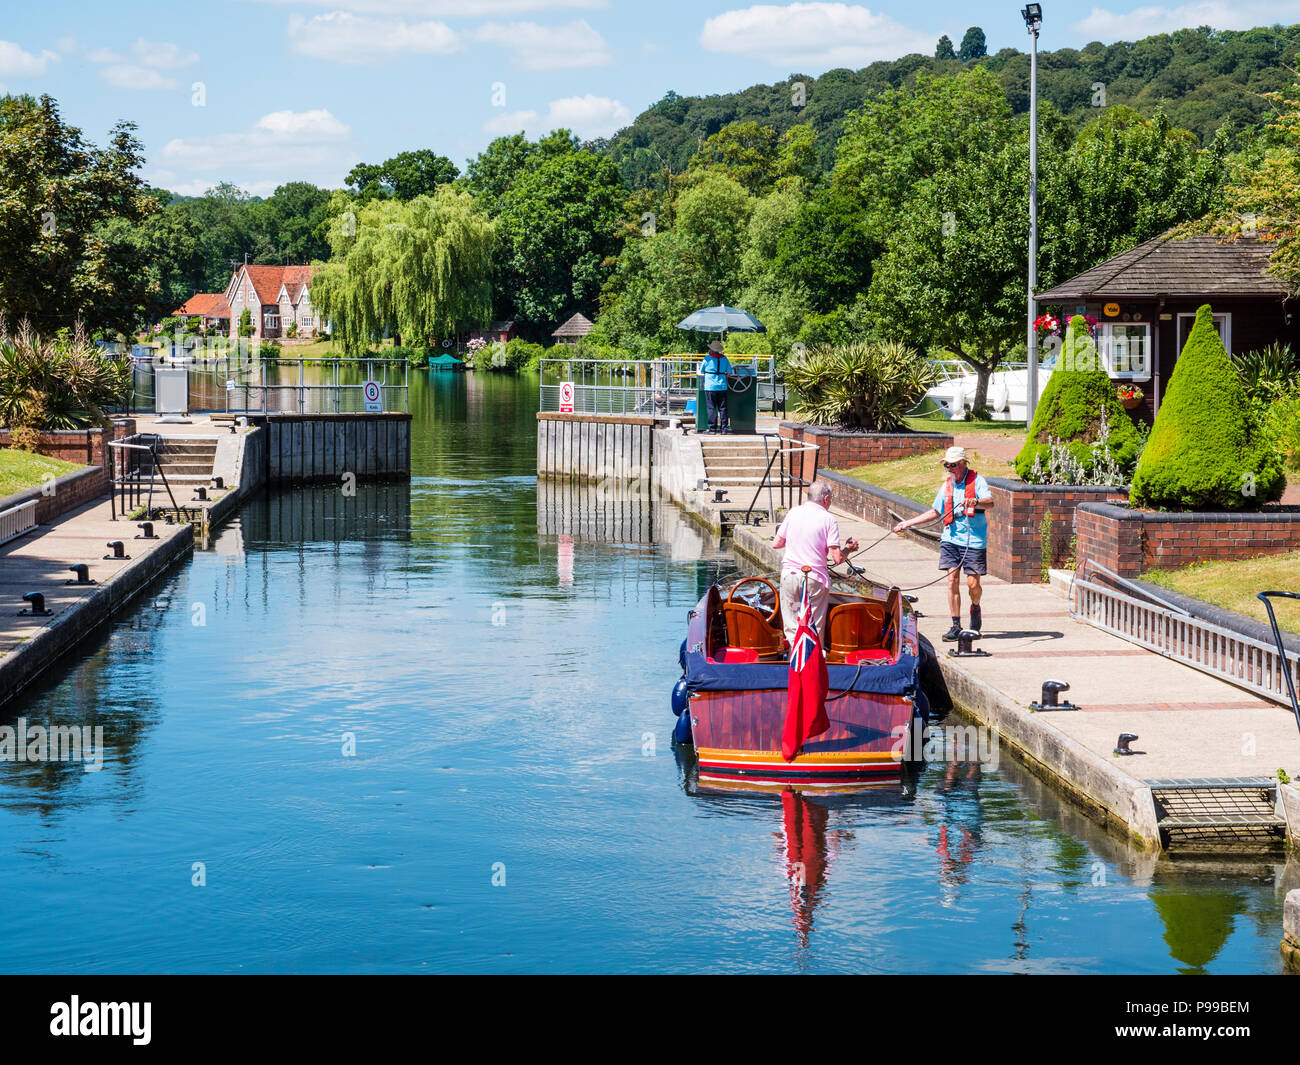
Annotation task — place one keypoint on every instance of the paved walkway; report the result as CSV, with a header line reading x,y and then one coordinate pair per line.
x,y
1189,724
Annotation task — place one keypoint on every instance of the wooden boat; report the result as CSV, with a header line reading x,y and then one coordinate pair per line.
x,y
734,688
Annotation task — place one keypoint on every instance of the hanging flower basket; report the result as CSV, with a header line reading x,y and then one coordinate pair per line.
x,y
1130,395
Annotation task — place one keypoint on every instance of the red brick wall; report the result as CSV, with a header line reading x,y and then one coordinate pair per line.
x,y
1133,541
874,504
1015,551
85,446
845,451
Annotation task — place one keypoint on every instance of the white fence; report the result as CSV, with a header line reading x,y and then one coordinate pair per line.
x,y
17,520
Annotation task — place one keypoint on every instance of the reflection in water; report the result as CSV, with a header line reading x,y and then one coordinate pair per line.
x,y
807,858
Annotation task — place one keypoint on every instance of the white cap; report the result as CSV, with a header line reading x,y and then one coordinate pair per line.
x,y
955,454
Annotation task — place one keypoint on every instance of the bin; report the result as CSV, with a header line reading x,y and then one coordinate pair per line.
x,y
742,401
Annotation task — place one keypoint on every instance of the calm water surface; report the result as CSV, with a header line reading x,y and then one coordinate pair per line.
x,y
500,655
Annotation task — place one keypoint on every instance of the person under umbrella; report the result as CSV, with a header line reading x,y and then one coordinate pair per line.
x,y
715,369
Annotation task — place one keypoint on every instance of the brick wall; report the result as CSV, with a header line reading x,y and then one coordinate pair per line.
x,y
876,505
85,446
1130,542
845,451
57,497
1015,551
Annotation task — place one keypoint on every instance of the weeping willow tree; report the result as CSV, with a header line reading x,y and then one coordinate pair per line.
x,y
416,270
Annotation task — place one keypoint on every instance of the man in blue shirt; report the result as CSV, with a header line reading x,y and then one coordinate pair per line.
x,y
961,502
715,369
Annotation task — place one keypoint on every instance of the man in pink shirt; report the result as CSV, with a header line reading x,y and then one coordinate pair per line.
x,y
808,533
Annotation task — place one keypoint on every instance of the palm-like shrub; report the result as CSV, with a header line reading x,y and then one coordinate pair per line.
x,y
60,383
1207,451
861,385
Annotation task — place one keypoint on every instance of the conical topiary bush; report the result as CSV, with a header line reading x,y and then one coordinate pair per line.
x,y
1071,405
1205,453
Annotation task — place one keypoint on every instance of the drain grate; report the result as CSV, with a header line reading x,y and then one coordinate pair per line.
x,y
1218,810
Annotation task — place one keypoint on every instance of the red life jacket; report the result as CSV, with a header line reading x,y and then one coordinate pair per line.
x,y
968,502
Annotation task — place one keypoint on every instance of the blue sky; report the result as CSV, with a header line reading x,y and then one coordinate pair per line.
x,y
264,91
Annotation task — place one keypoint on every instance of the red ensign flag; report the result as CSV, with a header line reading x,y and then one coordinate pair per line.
x,y
805,713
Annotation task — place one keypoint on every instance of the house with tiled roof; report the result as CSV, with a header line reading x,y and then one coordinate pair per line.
x,y
275,296
211,310
1145,302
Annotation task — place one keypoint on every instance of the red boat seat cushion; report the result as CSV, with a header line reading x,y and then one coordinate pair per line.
x,y
874,655
736,655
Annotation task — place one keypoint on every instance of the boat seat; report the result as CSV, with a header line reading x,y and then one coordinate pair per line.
x,y
736,656
746,627
855,626
875,654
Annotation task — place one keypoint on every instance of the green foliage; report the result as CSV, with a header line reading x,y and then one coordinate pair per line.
x,y
493,172
1280,421
943,49
268,349
865,385
557,227
1045,546
523,354
973,45
404,176
1070,411
246,327
61,383
1268,371
68,210
1205,451
416,271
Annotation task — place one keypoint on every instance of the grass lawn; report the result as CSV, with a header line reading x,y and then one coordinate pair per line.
x,y
22,469
1233,585
919,477
925,424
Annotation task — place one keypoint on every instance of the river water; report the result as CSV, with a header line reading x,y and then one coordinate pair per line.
x,y
427,729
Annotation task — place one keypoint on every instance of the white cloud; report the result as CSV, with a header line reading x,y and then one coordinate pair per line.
x,y
317,144
105,55
588,116
1102,24
130,77
346,38
548,47
162,54
812,34
445,8
17,63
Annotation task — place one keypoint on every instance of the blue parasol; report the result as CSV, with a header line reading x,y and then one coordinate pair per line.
x,y
722,320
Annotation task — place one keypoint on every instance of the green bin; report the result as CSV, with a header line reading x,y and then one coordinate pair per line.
x,y
742,401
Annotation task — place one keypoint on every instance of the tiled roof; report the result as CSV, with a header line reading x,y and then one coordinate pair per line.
x,y
268,279
206,305
1200,266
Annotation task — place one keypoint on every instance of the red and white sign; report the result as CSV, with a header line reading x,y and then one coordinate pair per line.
x,y
370,391
566,397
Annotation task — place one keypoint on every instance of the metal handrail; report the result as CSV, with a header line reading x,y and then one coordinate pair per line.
x,y
122,482
787,482
1265,598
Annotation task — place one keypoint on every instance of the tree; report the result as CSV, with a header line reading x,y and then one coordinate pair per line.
x,y
492,173
745,151
943,49
416,270
222,218
1205,452
557,227
58,192
288,226
973,45
404,176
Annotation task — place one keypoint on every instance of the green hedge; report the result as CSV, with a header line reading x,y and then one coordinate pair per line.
x,y
1205,451
1070,409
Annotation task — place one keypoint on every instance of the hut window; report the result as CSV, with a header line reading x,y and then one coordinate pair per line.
x,y
1125,349
1222,322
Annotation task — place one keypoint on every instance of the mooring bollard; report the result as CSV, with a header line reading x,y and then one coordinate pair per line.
x,y
83,574
118,550
218,482
200,493
1125,738
147,532
1051,689
965,645
37,609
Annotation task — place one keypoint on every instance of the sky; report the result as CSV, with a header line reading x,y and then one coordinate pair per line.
x,y
259,92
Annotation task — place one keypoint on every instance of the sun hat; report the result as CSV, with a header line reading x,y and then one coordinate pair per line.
x,y
955,454
715,346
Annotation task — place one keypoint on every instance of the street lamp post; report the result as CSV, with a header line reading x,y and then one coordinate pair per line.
x,y
1033,15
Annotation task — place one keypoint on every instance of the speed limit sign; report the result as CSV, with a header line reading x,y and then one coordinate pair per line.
x,y
566,397
370,390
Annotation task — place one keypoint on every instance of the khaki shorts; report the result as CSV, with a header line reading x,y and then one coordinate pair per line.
x,y
792,592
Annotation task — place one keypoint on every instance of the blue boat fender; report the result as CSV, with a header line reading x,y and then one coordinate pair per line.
x,y
681,697
682,730
681,657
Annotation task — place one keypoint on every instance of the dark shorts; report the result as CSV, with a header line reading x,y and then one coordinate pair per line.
x,y
975,558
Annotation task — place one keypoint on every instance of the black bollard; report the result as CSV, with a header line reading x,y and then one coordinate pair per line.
x,y
218,482
83,574
118,551
1052,689
719,495
1125,738
200,493
37,609
965,645
147,532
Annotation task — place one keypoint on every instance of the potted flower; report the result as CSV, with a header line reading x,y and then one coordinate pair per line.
x,y
1130,395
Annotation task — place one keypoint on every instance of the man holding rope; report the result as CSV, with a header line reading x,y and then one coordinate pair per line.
x,y
962,501
808,533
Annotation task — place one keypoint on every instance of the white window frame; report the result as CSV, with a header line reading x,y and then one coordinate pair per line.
x,y
270,321
1223,322
1105,337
